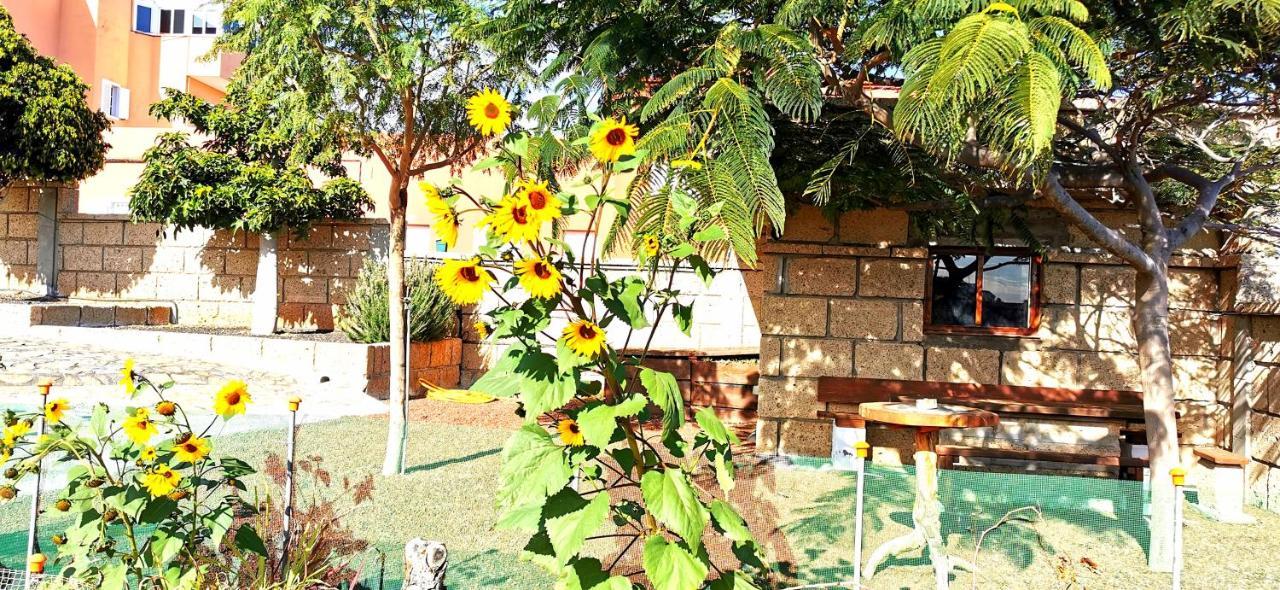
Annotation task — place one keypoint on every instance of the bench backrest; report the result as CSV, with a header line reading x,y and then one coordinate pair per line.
x,y
856,390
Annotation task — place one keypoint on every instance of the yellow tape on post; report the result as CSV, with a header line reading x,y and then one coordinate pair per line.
x,y
862,448
1179,476
35,563
45,385
294,402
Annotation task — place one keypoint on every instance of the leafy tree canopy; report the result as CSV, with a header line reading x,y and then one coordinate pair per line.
x,y
248,175
47,130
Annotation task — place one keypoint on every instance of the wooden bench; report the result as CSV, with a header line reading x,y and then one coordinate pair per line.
x,y
1010,402
1221,483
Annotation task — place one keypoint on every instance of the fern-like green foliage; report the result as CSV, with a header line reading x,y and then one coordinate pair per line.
x,y
1002,71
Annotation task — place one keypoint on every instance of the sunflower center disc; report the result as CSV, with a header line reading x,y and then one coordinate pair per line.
x,y
587,332
616,137
541,270
491,111
520,215
469,274
538,199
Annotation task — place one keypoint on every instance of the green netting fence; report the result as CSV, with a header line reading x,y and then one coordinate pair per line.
x,y
1037,531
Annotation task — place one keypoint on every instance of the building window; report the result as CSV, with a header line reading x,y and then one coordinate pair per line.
x,y
173,22
115,100
203,24
980,291
142,17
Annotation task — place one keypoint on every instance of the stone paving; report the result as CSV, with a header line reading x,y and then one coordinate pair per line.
x,y
84,373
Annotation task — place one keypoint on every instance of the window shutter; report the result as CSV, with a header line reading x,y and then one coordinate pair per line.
x,y
104,99
124,104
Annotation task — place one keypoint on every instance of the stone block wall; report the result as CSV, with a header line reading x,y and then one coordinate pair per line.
x,y
845,297
19,220
208,276
1259,378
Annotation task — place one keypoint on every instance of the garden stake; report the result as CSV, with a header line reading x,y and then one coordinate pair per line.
x,y
408,362
863,450
294,401
1179,476
45,385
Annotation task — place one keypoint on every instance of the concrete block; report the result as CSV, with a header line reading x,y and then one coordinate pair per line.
x,y
23,225
821,276
793,316
770,355
240,262
1040,368
1106,285
766,437
1109,370
1028,433
786,397
1264,437
962,365
82,257
122,259
867,319
805,438
881,227
812,357
1193,288
1059,284
889,277
877,360
142,234
96,284
110,233
808,224
912,321
354,238
96,316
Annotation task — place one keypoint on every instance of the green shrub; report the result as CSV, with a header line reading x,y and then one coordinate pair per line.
x,y
364,318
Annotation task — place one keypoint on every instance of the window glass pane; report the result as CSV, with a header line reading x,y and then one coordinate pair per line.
x,y
955,281
1006,291
165,17
142,21
179,21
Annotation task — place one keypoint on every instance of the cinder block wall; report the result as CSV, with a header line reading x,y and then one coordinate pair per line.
x,y
845,297
1259,376
208,276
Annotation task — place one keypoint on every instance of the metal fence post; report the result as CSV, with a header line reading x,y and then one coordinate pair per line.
x,y
1179,476
45,385
294,402
863,450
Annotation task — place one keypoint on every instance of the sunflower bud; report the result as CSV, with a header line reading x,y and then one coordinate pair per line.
x,y
166,408
8,492
94,482
11,473
110,516
58,540
177,495
63,505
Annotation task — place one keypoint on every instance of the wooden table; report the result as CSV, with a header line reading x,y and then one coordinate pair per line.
x,y
926,514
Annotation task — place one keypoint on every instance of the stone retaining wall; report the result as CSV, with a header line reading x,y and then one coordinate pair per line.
x,y
846,297
359,367
207,276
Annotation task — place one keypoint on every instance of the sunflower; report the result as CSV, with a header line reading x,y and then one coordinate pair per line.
x,y
612,139
160,481
147,454
542,204
446,222
232,398
513,219
650,245
539,277
584,338
54,410
16,431
128,378
191,449
570,433
482,329
489,112
138,427
463,280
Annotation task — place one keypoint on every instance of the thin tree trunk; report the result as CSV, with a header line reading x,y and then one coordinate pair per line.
x,y
266,288
1155,360
397,423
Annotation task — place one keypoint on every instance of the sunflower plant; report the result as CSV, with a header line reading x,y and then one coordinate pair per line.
x,y
605,475
144,490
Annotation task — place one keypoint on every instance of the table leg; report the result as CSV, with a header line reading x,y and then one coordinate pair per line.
x,y
926,515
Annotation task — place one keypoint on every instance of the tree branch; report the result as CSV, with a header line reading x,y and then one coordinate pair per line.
x,y
1110,239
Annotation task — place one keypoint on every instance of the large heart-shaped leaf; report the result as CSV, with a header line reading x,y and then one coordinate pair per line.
x,y
533,467
727,518
664,390
673,502
598,423
670,566
570,519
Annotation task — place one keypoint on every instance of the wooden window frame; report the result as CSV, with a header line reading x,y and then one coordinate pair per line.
x,y
1036,276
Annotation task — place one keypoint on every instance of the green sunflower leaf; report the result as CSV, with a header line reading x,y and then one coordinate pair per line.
x,y
675,504
570,519
670,566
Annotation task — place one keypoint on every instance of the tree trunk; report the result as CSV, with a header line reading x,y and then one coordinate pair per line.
x,y
266,287
1155,360
398,393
